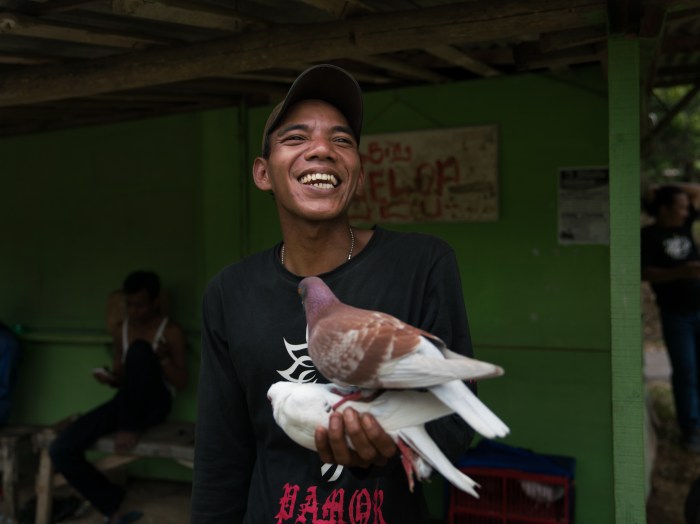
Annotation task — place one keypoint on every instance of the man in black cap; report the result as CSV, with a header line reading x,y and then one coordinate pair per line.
x,y
254,332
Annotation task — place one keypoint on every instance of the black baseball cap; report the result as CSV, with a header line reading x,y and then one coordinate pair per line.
x,y
325,82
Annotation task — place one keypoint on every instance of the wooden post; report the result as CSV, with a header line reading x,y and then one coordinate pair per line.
x,y
8,461
44,488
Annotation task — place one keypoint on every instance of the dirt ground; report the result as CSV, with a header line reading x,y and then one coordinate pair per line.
x,y
162,502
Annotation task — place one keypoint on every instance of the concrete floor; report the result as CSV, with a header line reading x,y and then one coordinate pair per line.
x,y
162,502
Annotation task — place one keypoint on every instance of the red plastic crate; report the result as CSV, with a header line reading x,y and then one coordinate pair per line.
x,y
509,496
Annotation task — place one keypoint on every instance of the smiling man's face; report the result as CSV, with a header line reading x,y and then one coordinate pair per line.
x,y
314,167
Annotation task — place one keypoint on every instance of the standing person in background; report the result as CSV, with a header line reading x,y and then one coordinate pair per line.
x,y
247,470
149,366
671,264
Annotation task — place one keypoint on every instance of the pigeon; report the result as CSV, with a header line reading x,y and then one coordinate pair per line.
x,y
374,350
299,408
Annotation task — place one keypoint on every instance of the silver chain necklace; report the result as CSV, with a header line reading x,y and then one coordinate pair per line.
x,y
352,246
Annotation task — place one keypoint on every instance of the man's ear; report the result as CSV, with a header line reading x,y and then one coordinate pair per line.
x,y
260,174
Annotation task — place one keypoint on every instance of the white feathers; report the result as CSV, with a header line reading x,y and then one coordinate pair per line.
x,y
300,408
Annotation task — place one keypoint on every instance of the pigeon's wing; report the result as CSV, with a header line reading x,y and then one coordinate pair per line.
x,y
419,440
427,366
348,345
395,410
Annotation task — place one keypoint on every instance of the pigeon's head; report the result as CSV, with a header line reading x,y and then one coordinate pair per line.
x,y
316,296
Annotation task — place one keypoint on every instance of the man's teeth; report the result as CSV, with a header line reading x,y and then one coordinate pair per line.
x,y
320,180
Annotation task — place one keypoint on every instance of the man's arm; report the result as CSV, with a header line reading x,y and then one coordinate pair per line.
x,y
224,441
693,191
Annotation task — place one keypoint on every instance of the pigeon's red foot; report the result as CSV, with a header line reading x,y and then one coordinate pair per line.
x,y
346,397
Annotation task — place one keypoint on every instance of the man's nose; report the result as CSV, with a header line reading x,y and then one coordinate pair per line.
x,y
321,147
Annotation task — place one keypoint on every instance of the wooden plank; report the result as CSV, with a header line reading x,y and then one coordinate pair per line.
x,y
174,440
22,25
457,57
357,37
187,13
528,56
341,8
44,488
557,40
8,460
27,59
402,69
671,113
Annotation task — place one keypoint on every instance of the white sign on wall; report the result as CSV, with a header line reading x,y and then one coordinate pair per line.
x,y
443,175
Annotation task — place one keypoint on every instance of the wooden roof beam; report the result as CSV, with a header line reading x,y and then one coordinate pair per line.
x,y
463,60
187,12
671,113
463,23
528,56
23,25
340,9
558,40
27,59
401,68
57,6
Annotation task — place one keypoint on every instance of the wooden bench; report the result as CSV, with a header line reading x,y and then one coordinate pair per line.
x,y
12,440
173,440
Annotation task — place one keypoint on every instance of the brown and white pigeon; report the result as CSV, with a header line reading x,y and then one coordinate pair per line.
x,y
301,408
373,350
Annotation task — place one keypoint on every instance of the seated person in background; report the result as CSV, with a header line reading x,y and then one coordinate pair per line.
x,y
149,366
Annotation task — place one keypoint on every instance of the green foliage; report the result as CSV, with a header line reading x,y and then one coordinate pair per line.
x,y
674,152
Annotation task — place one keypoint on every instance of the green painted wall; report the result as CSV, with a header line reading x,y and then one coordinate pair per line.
x,y
174,194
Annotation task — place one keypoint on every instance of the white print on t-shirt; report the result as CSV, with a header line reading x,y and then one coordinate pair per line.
x,y
677,247
302,369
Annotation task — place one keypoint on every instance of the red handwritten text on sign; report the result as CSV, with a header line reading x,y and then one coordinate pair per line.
x,y
441,175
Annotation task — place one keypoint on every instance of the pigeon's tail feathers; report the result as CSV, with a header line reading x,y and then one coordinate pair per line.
x,y
419,440
491,370
462,401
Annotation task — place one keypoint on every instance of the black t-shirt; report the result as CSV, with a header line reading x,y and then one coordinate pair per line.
x,y
667,248
254,334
